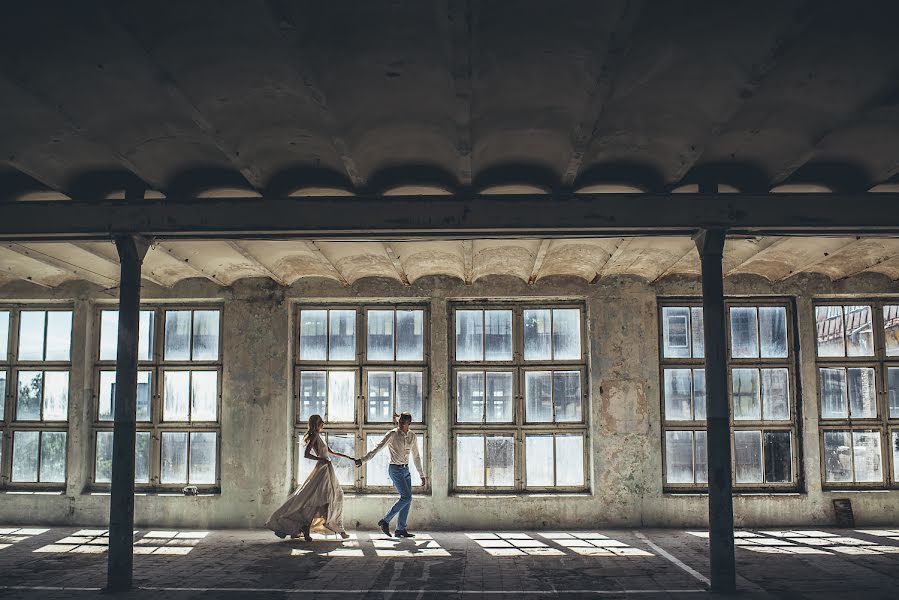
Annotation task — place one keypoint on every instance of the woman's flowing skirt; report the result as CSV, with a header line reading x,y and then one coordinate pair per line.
x,y
318,503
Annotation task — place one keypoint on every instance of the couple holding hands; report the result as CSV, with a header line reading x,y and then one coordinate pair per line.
x,y
318,502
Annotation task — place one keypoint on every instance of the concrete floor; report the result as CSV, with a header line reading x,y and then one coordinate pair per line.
x,y
63,562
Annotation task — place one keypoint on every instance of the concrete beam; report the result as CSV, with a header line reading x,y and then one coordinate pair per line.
x,y
460,22
538,259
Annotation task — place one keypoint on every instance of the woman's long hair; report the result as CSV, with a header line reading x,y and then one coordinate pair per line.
x,y
314,421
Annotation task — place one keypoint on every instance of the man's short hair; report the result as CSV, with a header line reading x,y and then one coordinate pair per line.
x,y
405,417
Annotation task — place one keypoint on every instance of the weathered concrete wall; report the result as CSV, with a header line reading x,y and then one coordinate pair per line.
x,y
624,412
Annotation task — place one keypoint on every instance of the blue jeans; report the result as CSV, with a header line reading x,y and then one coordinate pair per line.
x,y
402,481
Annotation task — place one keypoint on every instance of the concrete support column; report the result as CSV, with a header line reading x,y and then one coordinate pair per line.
x,y
439,410
710,243
132,250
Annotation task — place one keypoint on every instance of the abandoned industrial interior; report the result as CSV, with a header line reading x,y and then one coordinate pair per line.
x,y
627,264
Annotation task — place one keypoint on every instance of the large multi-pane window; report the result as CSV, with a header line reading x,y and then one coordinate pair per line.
x,y
761,375
857,349
35,361
518,387
178,397
356,366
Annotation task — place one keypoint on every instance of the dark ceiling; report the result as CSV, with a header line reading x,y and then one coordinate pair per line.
x,y
276,95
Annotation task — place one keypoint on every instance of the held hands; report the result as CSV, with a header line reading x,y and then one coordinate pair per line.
x,y
358,462
424,482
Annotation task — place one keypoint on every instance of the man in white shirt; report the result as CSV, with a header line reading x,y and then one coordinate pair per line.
x,y
400,442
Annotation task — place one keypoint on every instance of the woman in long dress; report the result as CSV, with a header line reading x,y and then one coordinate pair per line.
x,y
318,503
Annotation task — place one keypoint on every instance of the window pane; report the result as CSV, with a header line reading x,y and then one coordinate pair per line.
x,y
380,335
176,397
177,335
773,330
566,334
744,338
56,395
59,334
537,334
895,446
499,397
410,335
833,393
829,326
539,460
342,336
859,331
893,391
567,395
4,335
469,335
497,335
2,396
202,457
413,470
341,396
837,457
313,335
746,394
31,334
676,331
469,397
313,386
174,457
380,396
698,333
699,394
53,457
206,335
679,456
538,396
30,393
778,457
408,394
107,395
103,457
775,394
376,468
470,460
109,335
569,460
344,443
204,396
500,461
867,459
702,461
677,395
142,457
890,329
748,456
24,456
862,393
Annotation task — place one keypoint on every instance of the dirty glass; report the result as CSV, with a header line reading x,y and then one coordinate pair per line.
x,y
142,457
410,335
566,333
867,456
677,395
176,396
3,379
380,396
4,335
206,335
859,331
313,394
499,397
748,456
745,394
773,330
829,331
500,461
313,335
24,456
567,396
342,335
174,457
470,460
204,396
893,391
53,457
539,460
177,335
106,396
341,396
744,336
56,395
702,461
469,396
109,334
408,394
31,334
469,335
103,460
537,334
832,382
698,332
894,445
775,394
345,443
29,396
699,394
837,456
569,460
202,458
676,332
538,396
380,335
778,457
862,393
497,335
890,329
679,456
59,334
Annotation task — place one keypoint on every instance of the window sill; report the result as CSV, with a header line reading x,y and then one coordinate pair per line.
x,y
207,494
519,494
35,492
699,494
382,495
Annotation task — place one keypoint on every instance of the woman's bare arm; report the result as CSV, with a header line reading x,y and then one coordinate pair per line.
x,y
308,454
341,455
